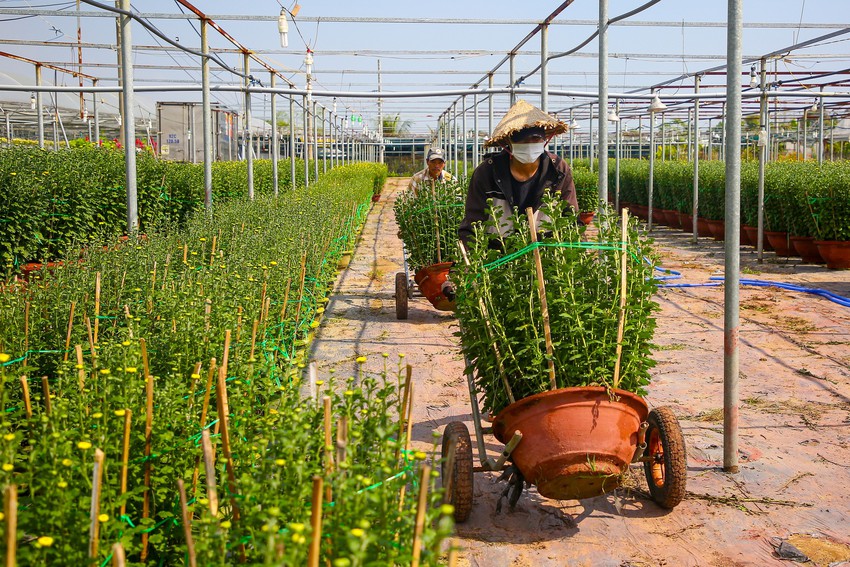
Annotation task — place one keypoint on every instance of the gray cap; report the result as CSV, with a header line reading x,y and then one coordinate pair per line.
x,y
436,153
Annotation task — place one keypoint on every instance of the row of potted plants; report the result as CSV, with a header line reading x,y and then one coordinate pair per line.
x,y
172,417
51,202
806,206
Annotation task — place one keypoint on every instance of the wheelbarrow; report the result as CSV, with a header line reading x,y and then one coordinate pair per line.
x,y
571,443
429,281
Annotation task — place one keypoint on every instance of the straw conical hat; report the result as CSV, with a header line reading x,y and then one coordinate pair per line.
x,y
523,115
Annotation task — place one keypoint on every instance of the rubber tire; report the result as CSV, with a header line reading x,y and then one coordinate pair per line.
x,y
666,474
400,295
462,480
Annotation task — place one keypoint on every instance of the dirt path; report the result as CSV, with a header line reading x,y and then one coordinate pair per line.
x,y
794,424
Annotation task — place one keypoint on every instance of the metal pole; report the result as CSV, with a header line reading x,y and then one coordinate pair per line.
x,y
512,78
690,144
475,128
710,136
762,150
805,134
651,166
544,55
275,139
663,137
571,137
128,119
247,136
820,129
207,123
380,117
695,211
797,146
7,117
731,317
324,141
590,137
603,104
304,150
619,130
95,110
315,144
454,135
640,136
38,108
490,105
291,143
463,137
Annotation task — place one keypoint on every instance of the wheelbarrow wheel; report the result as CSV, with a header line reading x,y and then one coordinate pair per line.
x,y
665,464
458,481
401,295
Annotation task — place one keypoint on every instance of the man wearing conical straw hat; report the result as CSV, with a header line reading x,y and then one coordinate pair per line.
x,y
519,175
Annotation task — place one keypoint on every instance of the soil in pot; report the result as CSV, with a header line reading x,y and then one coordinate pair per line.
x,y
835,252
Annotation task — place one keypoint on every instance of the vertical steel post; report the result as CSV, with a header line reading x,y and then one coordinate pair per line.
x,y
291,143
590,137
572,152
640,136
380,118
304,145
544,69
762,159
731,319
710,152
723,133
128,119
651,166
475,130
247,136
490,105
695,210
463,137
315,122
663,137
324,140
95,110
690,144
619,130
820,129
512,77
275,139
603,105
454,135
38,107
207,120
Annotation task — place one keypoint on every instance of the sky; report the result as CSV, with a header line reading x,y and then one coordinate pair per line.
x,y
427,56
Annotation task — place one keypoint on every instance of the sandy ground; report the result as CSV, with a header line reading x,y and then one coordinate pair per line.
x,y
794,437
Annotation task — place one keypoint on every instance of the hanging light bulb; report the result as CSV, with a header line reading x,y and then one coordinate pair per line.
x,y
753,78
656,105
612,116
283,28
32,101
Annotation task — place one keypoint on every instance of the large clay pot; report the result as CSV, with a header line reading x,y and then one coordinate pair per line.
x,y
640,211
702,227
753,236
835,252
686,222
587,217
576,442
807,249
717,229
744,237
672,219
430,280
779,242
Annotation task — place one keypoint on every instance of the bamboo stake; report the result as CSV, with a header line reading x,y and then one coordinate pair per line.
x,y
203,422
81,373
544,307
45,386
621,324
193,378
263,302
207,312
491,334
212,252
452,553
70,328
329,456
26,388
223,412
238,323
187,522
148,438
96,306
185,253
94,527
285,300
315,523
153,277
26,331
10,502
341,439
406,444
436,224
301,290
119,558
253,339
209,468
402,410
421,507
91,344
125,459
165,271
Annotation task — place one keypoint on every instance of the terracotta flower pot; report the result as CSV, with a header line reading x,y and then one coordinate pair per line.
x,y
376,197
744,237
717,229
576,442
779,242
835,252
587,217
702,227
807,249
672,219
640,211
686,222
753,236
430,280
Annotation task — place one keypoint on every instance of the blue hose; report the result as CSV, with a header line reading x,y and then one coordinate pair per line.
x,y
835,298
713,284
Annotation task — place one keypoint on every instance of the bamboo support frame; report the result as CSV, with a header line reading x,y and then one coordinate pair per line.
x,y
97,479
209,469
254,328
315,523
223,412
406,444
148,439
125,459
329,456
203,420
96,307
544,307
25,387
402,410
421,508
621,324
70,328
119,558
81,373
187,523
10,506
45,387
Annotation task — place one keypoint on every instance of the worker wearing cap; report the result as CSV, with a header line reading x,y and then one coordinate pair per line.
x,y
434,172
518,176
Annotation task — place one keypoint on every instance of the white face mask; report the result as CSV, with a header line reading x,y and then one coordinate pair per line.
x,y
527,153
